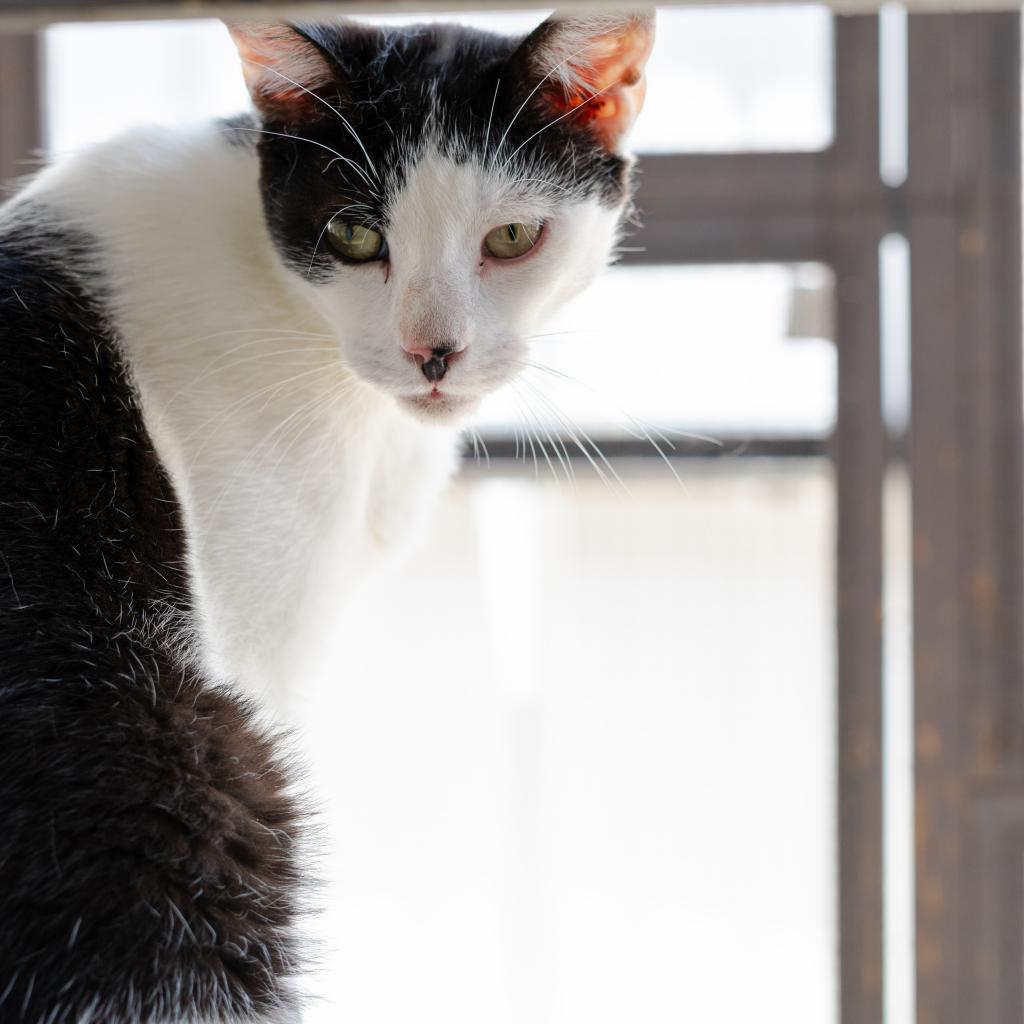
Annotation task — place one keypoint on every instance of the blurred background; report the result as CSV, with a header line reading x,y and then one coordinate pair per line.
x,y
660,772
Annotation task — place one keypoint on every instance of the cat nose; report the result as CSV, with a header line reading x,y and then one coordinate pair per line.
x,y
434,361
435,368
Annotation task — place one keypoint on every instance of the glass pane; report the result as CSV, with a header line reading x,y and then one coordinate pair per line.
x,y
103,78
730,79
730,350
726,79
594,782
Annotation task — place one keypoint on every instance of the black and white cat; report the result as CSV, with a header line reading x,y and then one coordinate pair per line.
x,y
233,362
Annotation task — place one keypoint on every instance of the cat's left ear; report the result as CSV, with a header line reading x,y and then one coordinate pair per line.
x,y
589,68
283,69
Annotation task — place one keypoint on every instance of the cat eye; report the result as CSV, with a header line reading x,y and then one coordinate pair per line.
x,y
356,242
512,240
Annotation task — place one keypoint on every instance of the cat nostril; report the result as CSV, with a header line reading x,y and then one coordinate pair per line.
x,y
434,368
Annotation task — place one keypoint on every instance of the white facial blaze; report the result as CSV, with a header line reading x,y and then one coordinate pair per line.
x,y
442,289
432,312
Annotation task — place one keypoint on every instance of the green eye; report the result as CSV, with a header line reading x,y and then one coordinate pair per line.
x,y
356,242
512,240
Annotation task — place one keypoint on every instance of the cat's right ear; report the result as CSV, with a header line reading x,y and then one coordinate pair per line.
x,y
590,66
284,70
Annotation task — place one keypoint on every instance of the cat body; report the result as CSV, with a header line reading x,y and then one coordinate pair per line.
x,y
233,362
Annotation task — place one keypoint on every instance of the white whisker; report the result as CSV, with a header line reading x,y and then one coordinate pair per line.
x,y
334,110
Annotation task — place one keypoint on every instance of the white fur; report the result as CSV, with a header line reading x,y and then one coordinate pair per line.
x,y
284,409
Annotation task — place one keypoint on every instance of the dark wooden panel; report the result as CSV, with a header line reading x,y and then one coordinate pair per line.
x,y
724,208
22,14
20,107
966,455
856,211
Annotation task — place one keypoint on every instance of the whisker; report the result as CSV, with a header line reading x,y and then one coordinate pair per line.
x,y
532,93
561,117
286,332
232,365
357,169
312,142
642,431
572,427
660,431
477,437
528,439
334,110
240,404
559,334
562,455
490,118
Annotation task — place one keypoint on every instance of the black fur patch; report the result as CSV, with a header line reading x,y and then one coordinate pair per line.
x,y
147,841
470,92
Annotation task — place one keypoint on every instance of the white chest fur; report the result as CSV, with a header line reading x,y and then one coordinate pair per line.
x,y
295,477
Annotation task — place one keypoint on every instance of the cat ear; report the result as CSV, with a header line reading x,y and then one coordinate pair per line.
x,y
589,68
283,69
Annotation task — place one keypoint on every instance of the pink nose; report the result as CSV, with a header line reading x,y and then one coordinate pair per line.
x,y
434,362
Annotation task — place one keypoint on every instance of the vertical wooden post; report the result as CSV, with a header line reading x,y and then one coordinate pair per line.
x,y
856,225
964,224
20,104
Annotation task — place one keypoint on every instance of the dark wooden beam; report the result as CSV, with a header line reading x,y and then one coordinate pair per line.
x,y
856,212
23,15
964,223
724,208
20,105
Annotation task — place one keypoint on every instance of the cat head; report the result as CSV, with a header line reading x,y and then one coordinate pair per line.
x,y
440,191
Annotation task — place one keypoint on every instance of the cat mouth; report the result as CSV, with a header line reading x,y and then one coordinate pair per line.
x,y
437,403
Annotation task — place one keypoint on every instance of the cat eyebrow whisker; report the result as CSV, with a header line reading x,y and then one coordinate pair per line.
x,y
357,169
490,118
543,181
561,117
533,92
324,229
334,110
312,142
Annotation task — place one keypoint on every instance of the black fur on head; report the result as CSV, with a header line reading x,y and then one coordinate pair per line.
x,y
347,108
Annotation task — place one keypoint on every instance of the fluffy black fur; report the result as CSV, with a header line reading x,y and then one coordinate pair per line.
x,y
147,842
456,87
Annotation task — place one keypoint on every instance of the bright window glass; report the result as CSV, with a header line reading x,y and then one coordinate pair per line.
x,y
725,79
720,350
103,78
739,79
593,780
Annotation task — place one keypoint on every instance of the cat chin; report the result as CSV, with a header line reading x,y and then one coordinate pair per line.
x,y
441,410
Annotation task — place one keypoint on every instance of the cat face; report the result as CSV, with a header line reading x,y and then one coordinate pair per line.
x,y
437,192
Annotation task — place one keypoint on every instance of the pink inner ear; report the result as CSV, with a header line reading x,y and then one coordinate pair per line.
x,y
279,65
609,84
